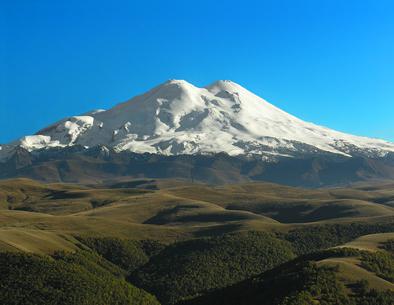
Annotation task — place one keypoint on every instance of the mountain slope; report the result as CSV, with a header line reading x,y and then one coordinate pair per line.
x,y
80,165
178,118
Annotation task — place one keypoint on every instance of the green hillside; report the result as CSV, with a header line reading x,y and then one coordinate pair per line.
x,y
65,279
189,243
303,281
188,268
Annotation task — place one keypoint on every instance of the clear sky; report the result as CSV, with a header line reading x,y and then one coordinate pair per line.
x,y
326,61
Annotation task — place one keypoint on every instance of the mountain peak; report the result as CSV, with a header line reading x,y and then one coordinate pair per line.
x,y
179,82
223,82
175,81
177,117
224,85
216,86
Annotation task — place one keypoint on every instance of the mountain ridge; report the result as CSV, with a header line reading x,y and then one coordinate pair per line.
x,y
77,164
177,118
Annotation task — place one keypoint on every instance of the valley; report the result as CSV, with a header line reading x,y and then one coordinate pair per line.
x,y
141,229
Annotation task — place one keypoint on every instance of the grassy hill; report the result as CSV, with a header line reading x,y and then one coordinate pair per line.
x,y
65,279
171,210
327,277
193,243
188,268
370,242
41,217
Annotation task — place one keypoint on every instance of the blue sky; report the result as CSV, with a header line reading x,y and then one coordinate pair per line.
x,y
330,62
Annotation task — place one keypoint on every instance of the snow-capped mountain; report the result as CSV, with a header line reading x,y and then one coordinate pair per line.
x,y
178,118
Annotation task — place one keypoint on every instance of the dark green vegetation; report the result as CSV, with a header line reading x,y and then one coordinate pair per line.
x,y
65,279
381,263
313,238
127,254
236,268
388,245
189,243
298,282
187,268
